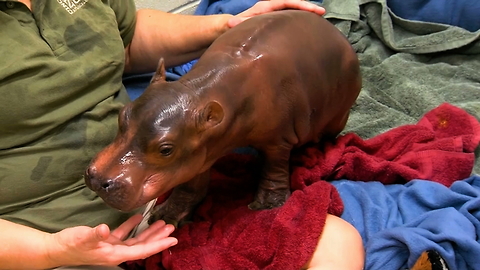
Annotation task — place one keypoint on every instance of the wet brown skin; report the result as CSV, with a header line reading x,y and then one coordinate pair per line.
x,y
275,82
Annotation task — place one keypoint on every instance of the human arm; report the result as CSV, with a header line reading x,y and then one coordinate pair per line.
x,y
180,38
27,248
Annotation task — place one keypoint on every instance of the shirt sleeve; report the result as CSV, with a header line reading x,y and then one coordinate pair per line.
x,y
125,12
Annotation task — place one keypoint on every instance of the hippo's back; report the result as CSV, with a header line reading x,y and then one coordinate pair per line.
x,y
291,66
293,32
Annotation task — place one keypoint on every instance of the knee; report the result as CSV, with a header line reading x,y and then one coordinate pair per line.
x,y
340,247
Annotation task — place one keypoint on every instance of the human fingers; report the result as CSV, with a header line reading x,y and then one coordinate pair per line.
x,y
82,236
126,227
156,231
299,4
77,245
102,232
96,246
262,7
151,241
144,249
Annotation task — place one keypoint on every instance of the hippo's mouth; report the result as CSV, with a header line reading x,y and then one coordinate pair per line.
x,y
124,203
129,198
162,198
151,192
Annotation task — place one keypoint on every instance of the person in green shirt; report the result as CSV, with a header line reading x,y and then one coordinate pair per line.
x,y
61,85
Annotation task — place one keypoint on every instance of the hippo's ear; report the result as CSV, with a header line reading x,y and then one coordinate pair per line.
x,y
210,116
159,75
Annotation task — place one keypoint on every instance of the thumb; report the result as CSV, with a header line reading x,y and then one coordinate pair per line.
x,y
99,233
236,20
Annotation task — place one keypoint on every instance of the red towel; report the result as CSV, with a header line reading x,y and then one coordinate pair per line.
x,y
438,148
226,235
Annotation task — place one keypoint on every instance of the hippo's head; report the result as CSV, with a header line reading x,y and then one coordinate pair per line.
x,y
159,145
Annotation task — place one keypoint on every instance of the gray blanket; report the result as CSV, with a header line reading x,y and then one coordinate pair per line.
x,y
408,67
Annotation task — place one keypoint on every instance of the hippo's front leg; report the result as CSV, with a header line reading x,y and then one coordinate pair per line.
x,y
274,186
179,206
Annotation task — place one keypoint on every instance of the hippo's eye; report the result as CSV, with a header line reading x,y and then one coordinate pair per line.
x,y
166,149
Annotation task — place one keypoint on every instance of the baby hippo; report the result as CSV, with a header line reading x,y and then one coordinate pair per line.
x,y
274,82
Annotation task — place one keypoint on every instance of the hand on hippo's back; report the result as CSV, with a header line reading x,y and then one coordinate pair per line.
x,y
262,7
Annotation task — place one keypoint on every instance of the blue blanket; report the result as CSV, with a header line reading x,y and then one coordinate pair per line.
x,y
461,13
398,222
207,7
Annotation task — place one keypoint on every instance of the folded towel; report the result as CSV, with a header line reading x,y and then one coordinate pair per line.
x,y
440,147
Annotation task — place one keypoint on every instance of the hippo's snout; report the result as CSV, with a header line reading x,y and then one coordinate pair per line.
x,y
115,192
99,184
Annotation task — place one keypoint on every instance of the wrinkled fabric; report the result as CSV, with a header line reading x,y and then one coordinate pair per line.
x,y
461,13
226,235
445,137
399,222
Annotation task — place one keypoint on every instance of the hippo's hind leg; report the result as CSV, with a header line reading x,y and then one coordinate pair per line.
x,y
274,186
179,206
336,126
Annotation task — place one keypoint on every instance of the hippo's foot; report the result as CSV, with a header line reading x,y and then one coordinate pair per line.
x,y
268,199
172,214
180,205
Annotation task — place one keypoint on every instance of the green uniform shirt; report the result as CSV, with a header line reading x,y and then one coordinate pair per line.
x,y
60,92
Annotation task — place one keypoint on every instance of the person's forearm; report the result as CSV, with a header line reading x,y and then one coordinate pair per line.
x,y
177,38
23,247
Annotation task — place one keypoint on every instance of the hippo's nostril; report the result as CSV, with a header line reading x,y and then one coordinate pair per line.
x,y
107,185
